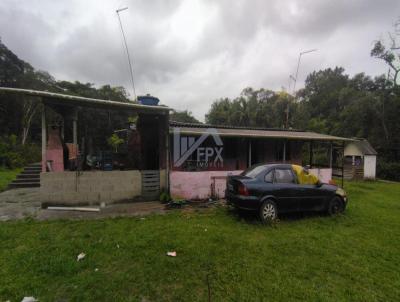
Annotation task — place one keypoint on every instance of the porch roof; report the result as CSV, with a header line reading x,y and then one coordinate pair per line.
x,y
71,100
225,131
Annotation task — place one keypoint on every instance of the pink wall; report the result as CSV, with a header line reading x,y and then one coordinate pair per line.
x,y
54,151
197,185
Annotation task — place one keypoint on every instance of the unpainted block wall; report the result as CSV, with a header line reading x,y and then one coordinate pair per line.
x,y
90,187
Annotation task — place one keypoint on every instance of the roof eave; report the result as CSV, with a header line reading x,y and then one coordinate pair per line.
x,y
71,100
255,135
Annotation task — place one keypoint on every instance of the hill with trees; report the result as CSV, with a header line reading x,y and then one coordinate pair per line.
x,y
331,102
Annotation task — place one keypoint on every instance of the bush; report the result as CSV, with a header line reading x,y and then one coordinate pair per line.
x,y
388,170
15,155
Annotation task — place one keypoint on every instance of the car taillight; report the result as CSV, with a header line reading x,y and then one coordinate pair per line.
x,y
242,190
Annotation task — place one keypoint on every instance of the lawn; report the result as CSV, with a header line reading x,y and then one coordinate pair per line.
x,y
6,176
354,257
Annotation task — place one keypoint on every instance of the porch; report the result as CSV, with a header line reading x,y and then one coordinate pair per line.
x,y
96,151
202,174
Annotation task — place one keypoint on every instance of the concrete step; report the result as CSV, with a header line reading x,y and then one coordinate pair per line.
x,y
28,175
26,180
35,165
34,170
23,185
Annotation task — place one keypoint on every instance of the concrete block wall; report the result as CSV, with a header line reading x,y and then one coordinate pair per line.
x,y
90,187
163,184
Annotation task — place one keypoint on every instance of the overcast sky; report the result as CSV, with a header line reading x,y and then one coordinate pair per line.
x,y
189,53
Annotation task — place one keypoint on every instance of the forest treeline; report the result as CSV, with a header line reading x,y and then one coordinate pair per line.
x,y
331,102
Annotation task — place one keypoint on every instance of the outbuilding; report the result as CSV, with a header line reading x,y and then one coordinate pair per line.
x,y
360,160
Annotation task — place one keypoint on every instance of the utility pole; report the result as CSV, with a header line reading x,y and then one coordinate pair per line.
x,y
298,66
127,50
295,81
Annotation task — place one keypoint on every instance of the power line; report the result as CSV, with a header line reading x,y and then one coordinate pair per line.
x,y
127,50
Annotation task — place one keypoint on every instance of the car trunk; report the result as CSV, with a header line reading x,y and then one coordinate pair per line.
x,y
233,182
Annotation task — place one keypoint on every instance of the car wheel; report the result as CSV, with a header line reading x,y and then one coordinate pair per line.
x,y
268,211
335,206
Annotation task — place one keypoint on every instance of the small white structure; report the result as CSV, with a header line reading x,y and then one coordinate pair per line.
x,y
360,160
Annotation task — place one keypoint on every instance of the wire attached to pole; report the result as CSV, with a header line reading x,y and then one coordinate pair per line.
x,y
127,50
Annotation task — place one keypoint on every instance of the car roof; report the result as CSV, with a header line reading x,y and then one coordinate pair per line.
x,y
278,165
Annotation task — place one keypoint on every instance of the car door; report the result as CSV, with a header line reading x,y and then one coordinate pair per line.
x,y
311,197
285,190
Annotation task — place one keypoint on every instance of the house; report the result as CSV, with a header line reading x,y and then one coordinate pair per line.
x,y
78,164
360,160
141,153
202,155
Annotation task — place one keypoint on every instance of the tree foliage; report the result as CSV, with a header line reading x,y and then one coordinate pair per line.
x,y
184,116
389,52
19,117
331,102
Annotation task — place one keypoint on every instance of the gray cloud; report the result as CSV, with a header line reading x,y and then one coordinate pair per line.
x,y
189,53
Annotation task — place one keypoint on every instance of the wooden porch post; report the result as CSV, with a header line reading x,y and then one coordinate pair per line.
x,y
331,155
75,126
167,153
44,138
342,163
249,164
311,154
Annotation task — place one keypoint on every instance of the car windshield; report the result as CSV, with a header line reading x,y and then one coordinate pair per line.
x,y
253,171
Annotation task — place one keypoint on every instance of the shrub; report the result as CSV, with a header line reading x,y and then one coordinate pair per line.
x,y
165,197
15,155
388,170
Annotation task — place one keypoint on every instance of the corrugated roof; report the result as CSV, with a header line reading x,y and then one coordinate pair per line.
x,y
225,131
365,147
72,100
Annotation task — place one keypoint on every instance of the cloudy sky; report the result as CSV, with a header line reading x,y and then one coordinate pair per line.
x,y
189,53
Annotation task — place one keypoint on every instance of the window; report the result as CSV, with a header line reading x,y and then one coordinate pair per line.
x,y
269,177
253,171
284,176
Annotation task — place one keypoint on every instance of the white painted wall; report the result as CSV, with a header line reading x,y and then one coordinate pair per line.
x,y
370,166
323,174
351,149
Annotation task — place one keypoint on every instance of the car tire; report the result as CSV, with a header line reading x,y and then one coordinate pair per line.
x,y
335,206
268,211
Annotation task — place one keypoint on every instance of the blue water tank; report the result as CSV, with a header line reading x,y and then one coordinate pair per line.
x,y
148,100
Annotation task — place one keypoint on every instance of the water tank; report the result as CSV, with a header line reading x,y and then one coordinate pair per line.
x,y
148,100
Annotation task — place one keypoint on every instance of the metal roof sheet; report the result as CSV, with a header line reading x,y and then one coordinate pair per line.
x,y
72,100
365,147
225,131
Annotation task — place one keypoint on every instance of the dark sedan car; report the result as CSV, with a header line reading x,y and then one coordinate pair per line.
x,y
272,189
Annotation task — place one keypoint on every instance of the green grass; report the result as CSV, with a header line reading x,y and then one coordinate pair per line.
x,y
7,176
354,257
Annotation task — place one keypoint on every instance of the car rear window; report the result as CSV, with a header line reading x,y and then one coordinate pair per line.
x,y
269,177
284,176
253,172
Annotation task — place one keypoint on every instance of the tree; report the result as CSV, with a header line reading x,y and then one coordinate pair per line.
x,y
390,54
184,116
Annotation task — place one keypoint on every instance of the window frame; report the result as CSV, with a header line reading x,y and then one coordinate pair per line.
x,y
291,172
273,176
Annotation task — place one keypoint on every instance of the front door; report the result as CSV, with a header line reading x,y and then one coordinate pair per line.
x,y
311,197
285,188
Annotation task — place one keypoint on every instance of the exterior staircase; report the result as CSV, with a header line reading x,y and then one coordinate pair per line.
x,y
28,178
